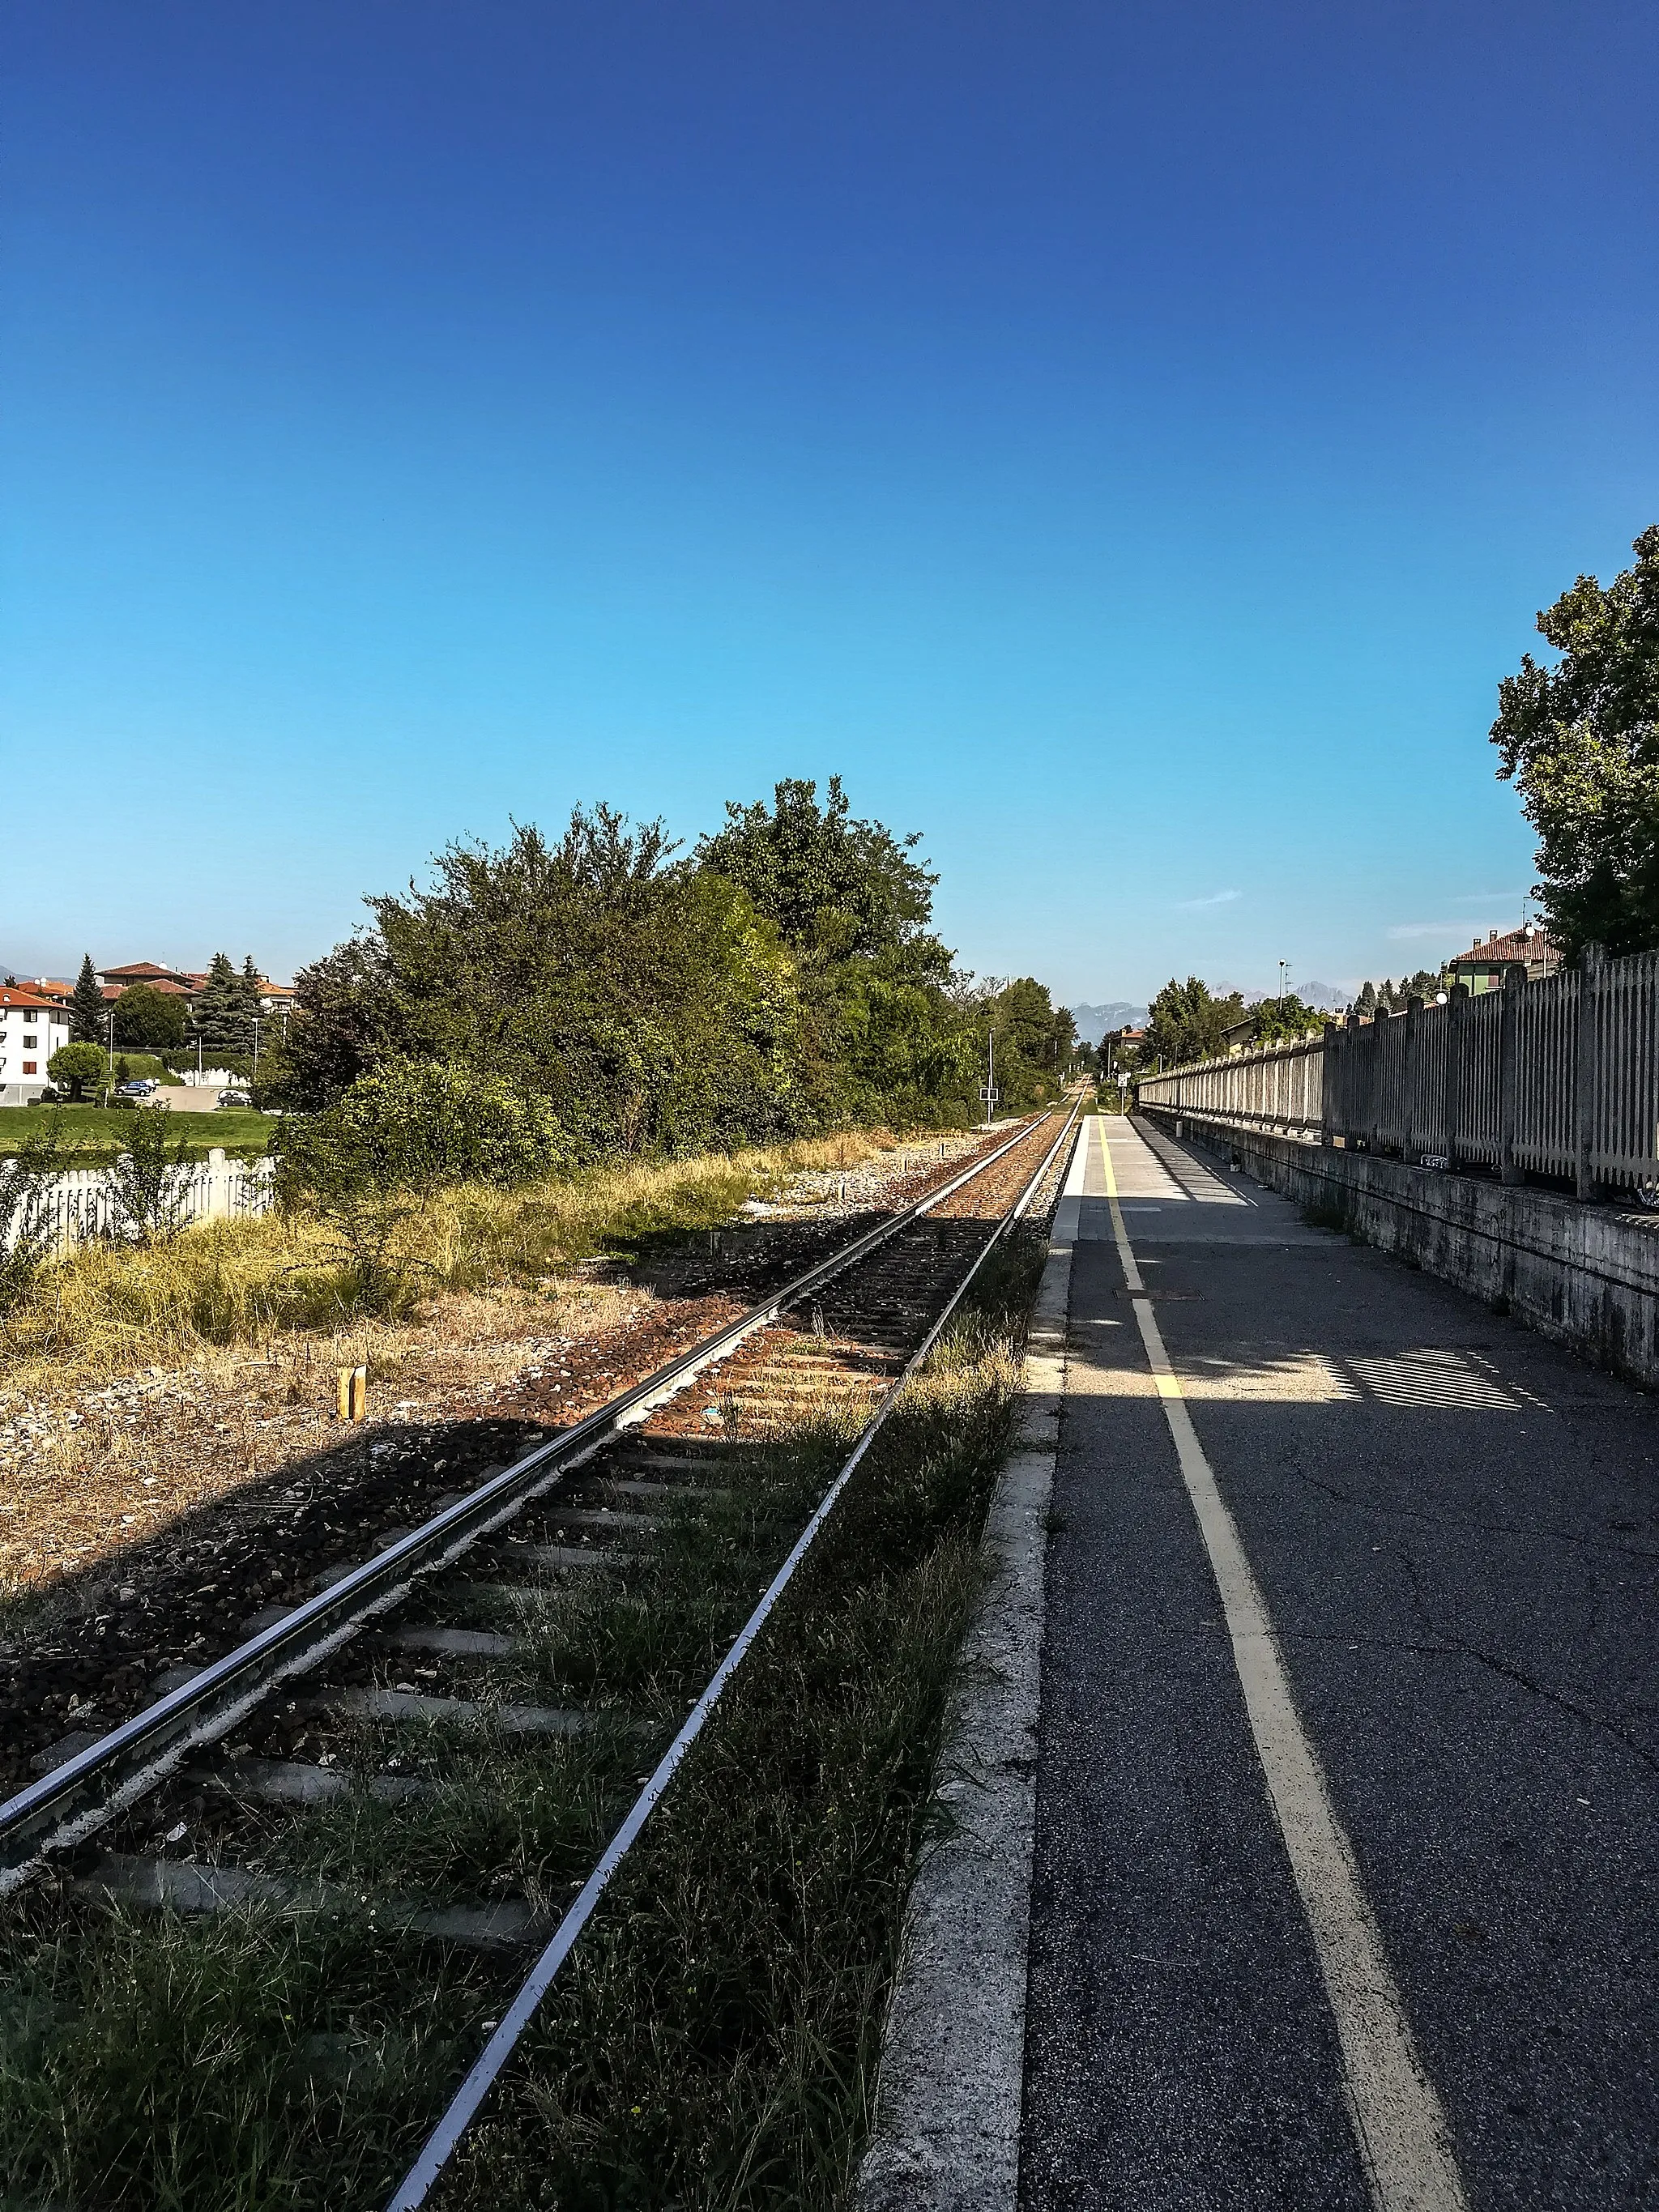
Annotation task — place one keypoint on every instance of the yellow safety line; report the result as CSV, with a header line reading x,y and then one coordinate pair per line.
x,y
1400,2126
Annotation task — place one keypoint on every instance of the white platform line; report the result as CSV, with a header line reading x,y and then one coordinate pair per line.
x,y
1405,2144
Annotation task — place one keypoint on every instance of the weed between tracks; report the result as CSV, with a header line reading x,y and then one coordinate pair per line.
x,y
712,2042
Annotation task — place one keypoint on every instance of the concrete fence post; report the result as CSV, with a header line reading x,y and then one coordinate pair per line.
x,y
1587,1073
1413,1119
1456,1016
1509,1073
1328,1080
1374,1116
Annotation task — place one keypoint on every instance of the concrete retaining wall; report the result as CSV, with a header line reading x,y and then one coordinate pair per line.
x,y
1586,1275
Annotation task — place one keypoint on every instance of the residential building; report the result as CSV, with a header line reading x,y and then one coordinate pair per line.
x,y
185,983
1483,965
169,980
32,1027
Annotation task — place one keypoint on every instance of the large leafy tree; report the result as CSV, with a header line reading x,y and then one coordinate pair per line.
x,y
835,886
148,1017
1033,1040
1280,1021
344,1024
1581,740
77,1068
886,1026
644,999
1186,1021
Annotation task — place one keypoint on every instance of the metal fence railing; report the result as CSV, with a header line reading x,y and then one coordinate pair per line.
x,y
73,1208
1556,1077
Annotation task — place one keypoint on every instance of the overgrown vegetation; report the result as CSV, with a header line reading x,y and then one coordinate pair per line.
x,y
106,1306
535,1016
782,980
714,2040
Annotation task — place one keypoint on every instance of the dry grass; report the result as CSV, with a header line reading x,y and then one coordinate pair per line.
x,y
103,1310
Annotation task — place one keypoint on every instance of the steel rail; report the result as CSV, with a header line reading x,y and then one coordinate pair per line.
x,y
440,2146
73,1799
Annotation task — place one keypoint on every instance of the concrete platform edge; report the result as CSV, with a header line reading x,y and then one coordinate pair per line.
x,y
948,2101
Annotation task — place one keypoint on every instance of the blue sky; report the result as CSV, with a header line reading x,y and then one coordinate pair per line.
x,y
1128,444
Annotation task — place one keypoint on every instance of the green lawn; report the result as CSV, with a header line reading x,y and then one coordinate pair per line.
x,y
98,1129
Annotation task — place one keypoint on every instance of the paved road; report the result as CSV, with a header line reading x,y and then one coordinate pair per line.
x,y
1453,1527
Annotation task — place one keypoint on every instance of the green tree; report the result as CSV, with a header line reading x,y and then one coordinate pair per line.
x,y
86,1008
1034,1041
144,1016
1186,1022
1365,1004
1581,741
221,1011
1281,1021
346,1021
885,1028
833,885
76,1068
252,990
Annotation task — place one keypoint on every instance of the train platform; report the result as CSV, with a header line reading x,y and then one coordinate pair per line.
x,y
1345,1843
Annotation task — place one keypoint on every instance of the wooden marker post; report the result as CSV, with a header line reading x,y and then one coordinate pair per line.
x,y
354,1393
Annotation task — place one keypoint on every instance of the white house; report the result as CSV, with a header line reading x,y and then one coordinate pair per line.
x,y
31,1029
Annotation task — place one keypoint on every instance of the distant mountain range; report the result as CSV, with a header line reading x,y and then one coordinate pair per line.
x,y
1328,997
1093,1022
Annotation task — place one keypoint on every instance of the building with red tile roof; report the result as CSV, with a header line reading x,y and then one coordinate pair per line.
x,y
32,1028
1482,967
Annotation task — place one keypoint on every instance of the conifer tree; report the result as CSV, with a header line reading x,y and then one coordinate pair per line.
x,y
222,1009
87,1007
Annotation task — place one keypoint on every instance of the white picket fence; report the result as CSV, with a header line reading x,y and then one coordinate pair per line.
x,y
82,1205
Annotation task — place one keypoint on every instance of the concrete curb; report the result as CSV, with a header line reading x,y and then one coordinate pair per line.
x,y
948,2104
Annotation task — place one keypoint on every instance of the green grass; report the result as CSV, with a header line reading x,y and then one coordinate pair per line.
x,y
95,1130
714,2040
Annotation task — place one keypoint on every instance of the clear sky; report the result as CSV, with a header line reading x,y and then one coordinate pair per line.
x,y
1128,442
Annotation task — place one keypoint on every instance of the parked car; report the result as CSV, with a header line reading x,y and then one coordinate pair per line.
x,y
139,1086
235,1098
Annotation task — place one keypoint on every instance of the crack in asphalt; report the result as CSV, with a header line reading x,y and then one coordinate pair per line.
x,y
1502,1668
1388,1511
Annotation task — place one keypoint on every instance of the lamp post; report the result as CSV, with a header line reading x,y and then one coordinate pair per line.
x,y
109,1036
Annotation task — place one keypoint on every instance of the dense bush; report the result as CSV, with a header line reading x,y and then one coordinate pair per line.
x,y
419,1128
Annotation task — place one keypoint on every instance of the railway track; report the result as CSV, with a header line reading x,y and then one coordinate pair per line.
x,y
299,1772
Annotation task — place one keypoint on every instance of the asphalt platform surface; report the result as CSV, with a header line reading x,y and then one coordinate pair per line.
x,y
1454,1526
